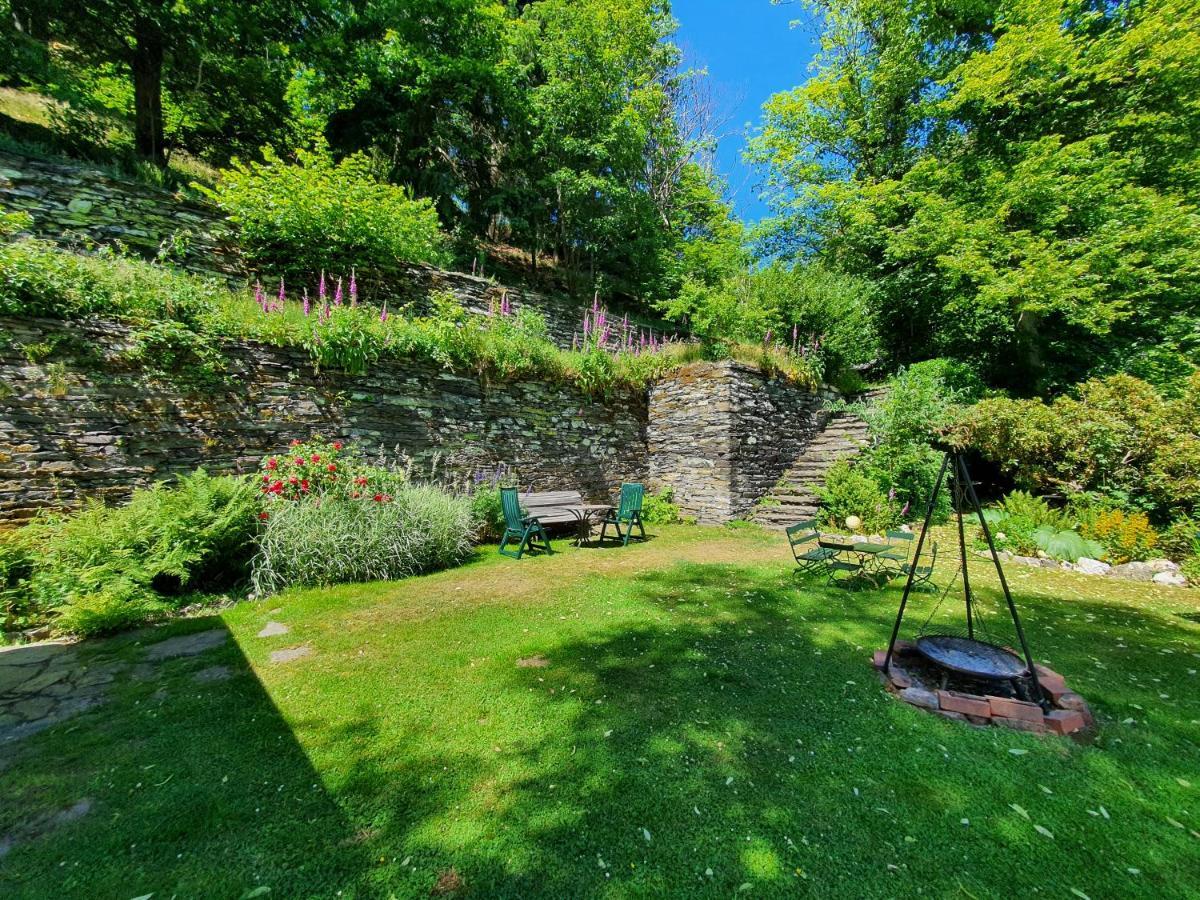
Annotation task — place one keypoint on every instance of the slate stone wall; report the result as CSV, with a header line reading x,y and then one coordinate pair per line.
x,y
76,205
721,435
75,424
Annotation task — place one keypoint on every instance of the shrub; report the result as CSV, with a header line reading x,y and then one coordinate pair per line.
x,y
165,541
18,555
660,508
1182,540
1191,570
848,492
1125,536
115,608
321,214
486,510
1024,524
337,540
39,279
1116,437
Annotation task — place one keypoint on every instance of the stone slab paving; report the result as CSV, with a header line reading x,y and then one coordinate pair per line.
x,y
187,644
291,653
44,684
273,629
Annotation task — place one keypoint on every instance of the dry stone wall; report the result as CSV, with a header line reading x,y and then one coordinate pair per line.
x,y
76,205
720,436
74,424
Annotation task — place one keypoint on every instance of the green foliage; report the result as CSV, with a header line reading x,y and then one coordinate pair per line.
x,y
39,279
1181,540
1066,544
660,508
297,220
418,529
1117,437
345,340
18,555
116,607
1016,178
848,491
142,558
1190,570
916,403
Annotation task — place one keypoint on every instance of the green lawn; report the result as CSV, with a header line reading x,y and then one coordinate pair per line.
x,y
703,728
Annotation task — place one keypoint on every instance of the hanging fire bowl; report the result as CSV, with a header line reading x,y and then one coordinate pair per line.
x,y
968,656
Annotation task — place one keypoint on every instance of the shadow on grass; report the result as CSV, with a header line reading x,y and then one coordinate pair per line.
x,y
190,782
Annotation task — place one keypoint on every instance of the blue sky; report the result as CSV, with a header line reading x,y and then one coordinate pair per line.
x,y
750,53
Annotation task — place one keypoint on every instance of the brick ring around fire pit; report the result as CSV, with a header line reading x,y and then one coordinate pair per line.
x,y
912,679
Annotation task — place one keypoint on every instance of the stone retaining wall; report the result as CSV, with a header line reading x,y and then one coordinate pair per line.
x,y
76,421
77,205
721,434
75,424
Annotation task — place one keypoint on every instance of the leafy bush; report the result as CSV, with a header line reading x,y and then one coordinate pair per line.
x,y
660,508
39,279
1181,540
167,540
115,608
1024,524
112,564
1117,437
299,219
1190,569
1125,536
338,540
486,510
18,555
850,492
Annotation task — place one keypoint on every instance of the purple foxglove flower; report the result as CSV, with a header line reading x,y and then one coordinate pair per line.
x,y
282,293
904,512
321,288
353,289
307,303
383,313
337,293
259,297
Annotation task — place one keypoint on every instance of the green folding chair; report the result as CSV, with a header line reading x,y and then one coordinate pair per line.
x,y
810,557
629,513
895,559
524,530
923,577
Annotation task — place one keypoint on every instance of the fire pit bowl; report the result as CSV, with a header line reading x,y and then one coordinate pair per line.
x,y
968,656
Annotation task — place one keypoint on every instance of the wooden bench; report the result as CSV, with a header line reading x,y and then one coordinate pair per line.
x,y
552,507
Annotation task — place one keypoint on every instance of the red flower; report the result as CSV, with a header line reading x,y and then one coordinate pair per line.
x,y
361,480
295,442
264,515
299,460
266,478
304,484
292,479
277,487
316,457
355,495
331,468
337,445
378,498
272,463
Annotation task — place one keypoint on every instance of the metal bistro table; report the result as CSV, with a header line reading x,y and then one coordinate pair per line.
x,y
868,565
583,514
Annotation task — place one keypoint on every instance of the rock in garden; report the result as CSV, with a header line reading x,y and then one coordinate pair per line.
x,y
1172,579
1134,571
1092,566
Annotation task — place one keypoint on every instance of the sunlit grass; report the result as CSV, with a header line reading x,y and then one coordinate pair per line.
x,y
706,726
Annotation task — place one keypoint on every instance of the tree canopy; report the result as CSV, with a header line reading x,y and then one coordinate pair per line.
x,y
1015,176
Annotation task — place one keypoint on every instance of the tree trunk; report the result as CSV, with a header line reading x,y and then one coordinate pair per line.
x,y
147,65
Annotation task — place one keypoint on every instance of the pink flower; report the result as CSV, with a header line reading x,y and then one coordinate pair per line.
x,y
337,293
383,313
307,310
316,457
353,289
272,463
321,287
282,293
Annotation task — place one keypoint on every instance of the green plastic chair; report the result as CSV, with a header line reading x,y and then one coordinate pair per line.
x,y
809,558
628,512
520,528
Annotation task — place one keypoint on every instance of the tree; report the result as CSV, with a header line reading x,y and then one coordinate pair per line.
x,y
179,45
1032,207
